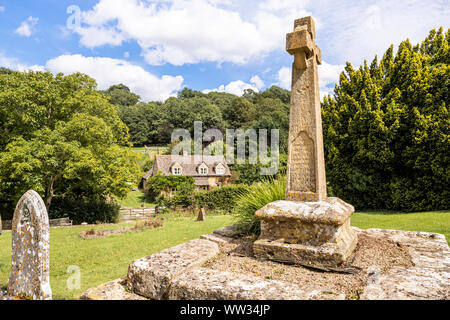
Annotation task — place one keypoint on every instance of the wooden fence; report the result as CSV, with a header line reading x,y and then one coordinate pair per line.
x,y
136,214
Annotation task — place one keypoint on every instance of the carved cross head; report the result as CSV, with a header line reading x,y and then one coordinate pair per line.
x,y
301,43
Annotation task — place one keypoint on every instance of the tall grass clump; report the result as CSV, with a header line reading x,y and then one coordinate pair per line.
x,y
257,196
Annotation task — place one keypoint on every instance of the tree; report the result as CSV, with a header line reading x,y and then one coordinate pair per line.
x,y
386,129
121,95
61,137
30,101
187,93
153,123
275,92
240,114
4,70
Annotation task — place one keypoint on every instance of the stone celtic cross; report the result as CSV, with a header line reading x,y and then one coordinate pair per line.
x,y
30,269
306,166
307,227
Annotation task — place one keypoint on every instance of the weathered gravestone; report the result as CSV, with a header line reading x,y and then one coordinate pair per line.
x,y
30,260
307,227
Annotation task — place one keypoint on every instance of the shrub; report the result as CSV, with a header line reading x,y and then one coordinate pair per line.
x,y
159,182
257,196
90,210
386,129
251,173
183,197
223,198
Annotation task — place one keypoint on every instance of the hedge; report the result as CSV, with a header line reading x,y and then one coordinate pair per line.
x,y
223,198
90,210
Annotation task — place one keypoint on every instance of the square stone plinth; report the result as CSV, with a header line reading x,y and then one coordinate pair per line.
x,y
313,233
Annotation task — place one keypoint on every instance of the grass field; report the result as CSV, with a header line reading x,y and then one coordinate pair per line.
x,y
135,199
433,221
153,150
101,260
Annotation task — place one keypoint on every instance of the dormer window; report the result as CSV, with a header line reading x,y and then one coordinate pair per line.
x,y
177,170
220,169
203,169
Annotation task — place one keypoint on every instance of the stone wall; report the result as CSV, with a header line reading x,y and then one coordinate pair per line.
x,y
53,223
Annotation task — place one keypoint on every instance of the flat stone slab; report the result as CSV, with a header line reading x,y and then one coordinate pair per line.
x,y
415,283
151,276
426,249
207,284
229,231
429,278
113,290
216,238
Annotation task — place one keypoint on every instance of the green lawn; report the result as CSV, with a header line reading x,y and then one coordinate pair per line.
x,y
153,150
102,260
433,221
135,199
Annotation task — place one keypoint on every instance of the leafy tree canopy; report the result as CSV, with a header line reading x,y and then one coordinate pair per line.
x,y
60,137
121,95
153,123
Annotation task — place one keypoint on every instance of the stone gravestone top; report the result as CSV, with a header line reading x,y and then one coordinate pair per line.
x,y
306,165
30,260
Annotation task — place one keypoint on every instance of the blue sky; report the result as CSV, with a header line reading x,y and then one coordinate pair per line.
x,y
158,47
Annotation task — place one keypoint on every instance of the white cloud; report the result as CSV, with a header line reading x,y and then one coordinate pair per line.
x,y
354,30
328,77
106,72
259,84
15,64
109,71
180,31
284,78
98,36
283,4
238,87
26,28
2,9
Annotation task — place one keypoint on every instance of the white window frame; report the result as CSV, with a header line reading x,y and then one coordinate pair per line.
x,y
177,171
203,171
220,170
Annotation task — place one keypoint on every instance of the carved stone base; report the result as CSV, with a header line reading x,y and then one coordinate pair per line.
x,y
314,233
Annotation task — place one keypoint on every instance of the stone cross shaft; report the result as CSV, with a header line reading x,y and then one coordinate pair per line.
x,y
306,179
